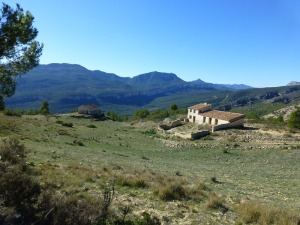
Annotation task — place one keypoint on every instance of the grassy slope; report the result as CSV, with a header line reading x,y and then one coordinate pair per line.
x,y
270,175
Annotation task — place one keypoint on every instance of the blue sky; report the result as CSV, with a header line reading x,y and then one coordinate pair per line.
x,y
254,42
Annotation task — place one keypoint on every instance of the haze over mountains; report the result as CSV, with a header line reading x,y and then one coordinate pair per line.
x,y
66,86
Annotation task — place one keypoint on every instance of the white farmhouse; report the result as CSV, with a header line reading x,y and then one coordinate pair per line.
x,y
204,114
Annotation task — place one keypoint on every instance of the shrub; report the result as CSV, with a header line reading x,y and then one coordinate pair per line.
x,y
91,126
12,112
59,121
294,120
67,124
18,190
69,210
142,113
178,173
64,123
225,151
159,114
255,212
252,116
214,179
20,194
78,142
215,202
44,109
147,219
208,138
172,192
12,151
173,107
152,133
63,132
115,117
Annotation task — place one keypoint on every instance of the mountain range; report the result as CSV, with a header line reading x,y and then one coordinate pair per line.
x,y
66,86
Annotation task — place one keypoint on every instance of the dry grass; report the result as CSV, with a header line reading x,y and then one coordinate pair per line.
x,y
215,202
256,213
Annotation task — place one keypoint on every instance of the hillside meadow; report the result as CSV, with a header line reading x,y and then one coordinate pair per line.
x,y
248,176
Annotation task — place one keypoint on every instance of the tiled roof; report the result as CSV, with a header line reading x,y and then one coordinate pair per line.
x,y
89,106
228,116
200,106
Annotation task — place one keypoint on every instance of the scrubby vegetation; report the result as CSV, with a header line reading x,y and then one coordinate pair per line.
x,y
158,114
44,110
115,117
257,213
129,173
23,200
294,120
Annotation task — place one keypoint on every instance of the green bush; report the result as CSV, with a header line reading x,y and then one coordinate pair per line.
x,y
152,133
294,120
115,117
159,114
59,121
91,126
142,113
12,112
44,109
252,116
67,124
20,112
78,142
173,107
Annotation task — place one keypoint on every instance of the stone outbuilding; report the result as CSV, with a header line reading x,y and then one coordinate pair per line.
x,y
204,114
89,109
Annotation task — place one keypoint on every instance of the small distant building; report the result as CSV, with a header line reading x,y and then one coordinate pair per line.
x,y
204,114
89,109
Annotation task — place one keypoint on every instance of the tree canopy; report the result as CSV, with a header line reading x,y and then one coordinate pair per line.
x,y
294,120
173,107
19,52
142,113
45,108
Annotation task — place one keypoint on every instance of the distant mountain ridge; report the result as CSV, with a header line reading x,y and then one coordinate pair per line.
x,y
66,86
293,83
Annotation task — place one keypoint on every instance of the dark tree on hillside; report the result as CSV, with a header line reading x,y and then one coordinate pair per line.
x,y
19,52
45,108
142,113
294,120
173,107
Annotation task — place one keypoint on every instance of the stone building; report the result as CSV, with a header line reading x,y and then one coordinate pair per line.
x,y
204,114
89,109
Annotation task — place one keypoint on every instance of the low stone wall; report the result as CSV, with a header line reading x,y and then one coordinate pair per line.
x,y
175,123
191,135
199,134
238,123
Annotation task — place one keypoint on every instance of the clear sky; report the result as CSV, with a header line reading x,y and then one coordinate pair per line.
x,y
254,42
